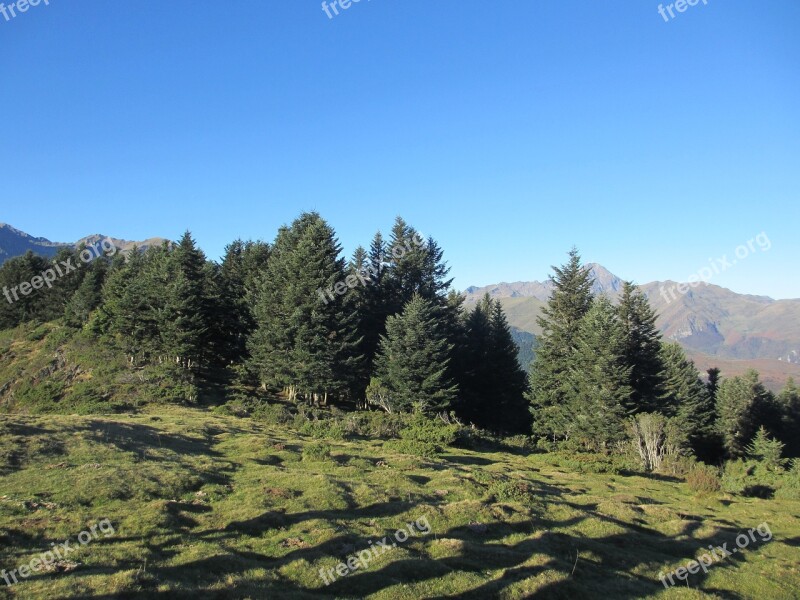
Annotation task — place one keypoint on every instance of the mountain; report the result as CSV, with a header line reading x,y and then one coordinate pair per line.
x,y
14,242
716,326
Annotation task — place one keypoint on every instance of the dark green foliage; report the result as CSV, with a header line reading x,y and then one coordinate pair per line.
x,y
242,266
788,403
596,383
739,401
303,343
560,321
688,400
642,350
412,360
766,451
492,385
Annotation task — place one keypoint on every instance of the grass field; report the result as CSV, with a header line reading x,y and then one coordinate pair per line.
x,y
212,506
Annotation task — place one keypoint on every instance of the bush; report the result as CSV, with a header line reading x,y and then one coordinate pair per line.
x,y
430,431
703,479
790,483
272,414
520,492
317,452
677,465
327,429
413,447
583,462
372,424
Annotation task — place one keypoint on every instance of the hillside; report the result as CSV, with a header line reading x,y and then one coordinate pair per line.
x,y
716,326
194,504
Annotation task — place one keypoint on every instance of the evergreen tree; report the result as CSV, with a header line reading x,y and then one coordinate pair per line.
x,y
88,295
509,379
126,310
302,344
642,350
597,382
233,323
412,360
688,400
766,450
560,321
738,402
789,406
712,385
186,314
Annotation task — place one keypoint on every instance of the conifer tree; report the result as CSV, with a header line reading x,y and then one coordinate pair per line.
x,y
88,295
509,380
687,399
302,344
789,403
597,382
642,350
560,321
412,360
738,401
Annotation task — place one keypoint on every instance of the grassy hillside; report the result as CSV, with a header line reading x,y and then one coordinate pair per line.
x,y
214,506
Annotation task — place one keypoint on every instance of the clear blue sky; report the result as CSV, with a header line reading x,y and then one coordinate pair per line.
x,y
507,130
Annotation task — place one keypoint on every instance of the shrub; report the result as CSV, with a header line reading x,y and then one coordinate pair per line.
x,y
654,437
520,492
328,429
703,479
414,447
790,482
431,431
316,452
372,424
273,414
677,465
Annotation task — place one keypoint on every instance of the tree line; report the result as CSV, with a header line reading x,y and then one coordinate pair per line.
x,y
602,372
385,330
400,340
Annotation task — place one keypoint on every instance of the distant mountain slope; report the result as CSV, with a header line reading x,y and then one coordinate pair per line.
x,y
14,242
717,326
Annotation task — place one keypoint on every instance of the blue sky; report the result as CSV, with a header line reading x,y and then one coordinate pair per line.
x,y
509,130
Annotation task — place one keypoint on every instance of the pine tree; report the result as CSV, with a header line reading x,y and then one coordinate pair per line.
x,y
789,403
712,384
186,314
301,343
642,350
242,264
597,382
126,310
412,360
687,399
509,380
560,321
88,296
738,402
766,451
475,401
